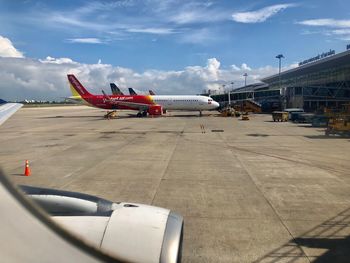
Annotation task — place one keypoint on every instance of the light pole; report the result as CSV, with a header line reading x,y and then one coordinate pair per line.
x,y
229,94
245,75
279,57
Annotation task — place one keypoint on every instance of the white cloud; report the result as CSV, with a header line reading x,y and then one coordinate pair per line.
x,y
88,40
165,18
260,15
57,60
26,78
152,30
326,23
198,15
245,67
201,36
339,29
8,50
234,67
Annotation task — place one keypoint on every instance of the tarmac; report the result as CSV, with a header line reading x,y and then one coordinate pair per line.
x,y
249,191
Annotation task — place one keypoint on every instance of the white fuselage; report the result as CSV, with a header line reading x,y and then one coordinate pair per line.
x,y
185,102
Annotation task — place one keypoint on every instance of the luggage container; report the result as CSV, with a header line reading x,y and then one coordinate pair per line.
x,y
280,116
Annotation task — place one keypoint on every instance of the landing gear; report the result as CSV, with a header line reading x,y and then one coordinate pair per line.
x,y
200,113
141,114
110,115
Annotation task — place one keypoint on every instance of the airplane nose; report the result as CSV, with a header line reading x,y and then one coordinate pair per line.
x,y
215,105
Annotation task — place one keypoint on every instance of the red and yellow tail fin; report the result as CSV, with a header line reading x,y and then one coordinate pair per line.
x,y
76,87
75,94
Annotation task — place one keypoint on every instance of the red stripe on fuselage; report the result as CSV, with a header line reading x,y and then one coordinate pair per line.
x,y
101,101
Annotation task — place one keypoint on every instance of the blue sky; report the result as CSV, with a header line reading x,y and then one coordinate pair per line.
x,y
168,38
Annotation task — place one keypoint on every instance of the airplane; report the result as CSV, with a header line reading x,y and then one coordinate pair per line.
x,y
144,104
7,109
115,89
132,92
48,225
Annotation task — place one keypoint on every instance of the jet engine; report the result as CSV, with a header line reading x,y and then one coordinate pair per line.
x,y
129,232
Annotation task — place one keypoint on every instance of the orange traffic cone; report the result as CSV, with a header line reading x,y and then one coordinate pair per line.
x,y
27,169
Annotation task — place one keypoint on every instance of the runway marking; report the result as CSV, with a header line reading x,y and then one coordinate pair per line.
x,y
67,175
168,164
71,173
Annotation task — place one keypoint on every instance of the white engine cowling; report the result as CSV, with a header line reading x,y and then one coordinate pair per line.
x,y
129,232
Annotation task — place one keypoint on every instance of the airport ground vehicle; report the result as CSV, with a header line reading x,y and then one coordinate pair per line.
x,y
338,125
280,116
339,121
302,117
293,110
228,112
320,121
245,116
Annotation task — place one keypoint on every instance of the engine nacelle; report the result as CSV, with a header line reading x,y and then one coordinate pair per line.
x,y
155,110
128,232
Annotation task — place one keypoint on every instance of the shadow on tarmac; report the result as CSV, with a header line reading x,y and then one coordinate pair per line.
x,y
333,137
332,235
257,135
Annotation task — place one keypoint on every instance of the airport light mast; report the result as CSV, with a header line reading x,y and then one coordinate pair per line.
x,y
245,75
279,57
229,94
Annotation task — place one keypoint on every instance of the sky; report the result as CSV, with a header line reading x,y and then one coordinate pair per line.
x,y
171,47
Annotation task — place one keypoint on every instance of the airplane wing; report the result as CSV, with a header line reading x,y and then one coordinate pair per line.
x,y
133,105
7,109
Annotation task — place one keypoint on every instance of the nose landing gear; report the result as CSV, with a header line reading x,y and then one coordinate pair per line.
x,y
141,114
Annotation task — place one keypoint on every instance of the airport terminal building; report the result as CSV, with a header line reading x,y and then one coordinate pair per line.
x,y
322,81
314,85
